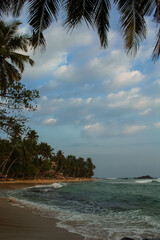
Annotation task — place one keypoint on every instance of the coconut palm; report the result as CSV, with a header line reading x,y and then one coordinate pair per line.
x,y
95,13
11,60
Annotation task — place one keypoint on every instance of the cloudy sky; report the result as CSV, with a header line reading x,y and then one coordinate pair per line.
x,y
99,103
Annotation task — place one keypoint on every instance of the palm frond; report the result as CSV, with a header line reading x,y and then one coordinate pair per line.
x,y
19,42
38,40
156,51
147,7
102,8
42,13
10,30
17,6
12,72
132,24
157,12
75,11
19,59
4,7
3,78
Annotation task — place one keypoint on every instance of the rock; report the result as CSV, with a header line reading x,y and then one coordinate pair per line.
x,y
151,239
144,177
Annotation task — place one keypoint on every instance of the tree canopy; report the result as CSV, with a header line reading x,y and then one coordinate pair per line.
x,y
95,13
14,97
25,157
11,60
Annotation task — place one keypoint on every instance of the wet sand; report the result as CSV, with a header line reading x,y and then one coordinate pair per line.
x,y
20,223
10,185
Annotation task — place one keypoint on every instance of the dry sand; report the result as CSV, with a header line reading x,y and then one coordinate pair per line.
x,y
21,224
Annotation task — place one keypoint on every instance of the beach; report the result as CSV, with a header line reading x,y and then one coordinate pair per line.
x,y
18,223
80,209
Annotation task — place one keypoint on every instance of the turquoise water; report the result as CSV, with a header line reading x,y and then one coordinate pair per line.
x,y
102,209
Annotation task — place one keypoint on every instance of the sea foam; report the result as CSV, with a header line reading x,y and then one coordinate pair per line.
x,y
53,185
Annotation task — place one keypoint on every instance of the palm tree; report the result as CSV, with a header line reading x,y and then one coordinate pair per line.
x,y
11,61
32,137
95,13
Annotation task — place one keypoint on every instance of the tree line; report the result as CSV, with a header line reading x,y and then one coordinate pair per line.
x,y
23,157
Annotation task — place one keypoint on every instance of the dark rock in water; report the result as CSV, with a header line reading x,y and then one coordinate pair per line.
x,y
151,239
126,238
144,177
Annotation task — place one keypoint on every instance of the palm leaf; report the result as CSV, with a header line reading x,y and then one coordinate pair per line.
x,y
75,11
132,24
19,59
156,51
42,13
157,12
147,6
17,6
38,40
10,31
4,7
3,78
12,72
102,8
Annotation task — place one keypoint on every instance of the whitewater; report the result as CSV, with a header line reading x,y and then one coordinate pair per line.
x,y
104,209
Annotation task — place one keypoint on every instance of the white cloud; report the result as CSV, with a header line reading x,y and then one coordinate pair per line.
x,y
95,129
50,121
131,99
157,124
145,112
44,98
128,78
58,43
134,129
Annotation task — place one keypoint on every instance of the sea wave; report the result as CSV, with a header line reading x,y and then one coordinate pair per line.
x,y
53,185
144,181
156,180
111,178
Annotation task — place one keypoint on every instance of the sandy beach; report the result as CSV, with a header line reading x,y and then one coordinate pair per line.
x,y
20,223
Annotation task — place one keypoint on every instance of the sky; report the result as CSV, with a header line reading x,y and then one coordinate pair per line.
x,y
98,103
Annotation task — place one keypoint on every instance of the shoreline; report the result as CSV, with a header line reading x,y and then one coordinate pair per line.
x,y
18,184
18,223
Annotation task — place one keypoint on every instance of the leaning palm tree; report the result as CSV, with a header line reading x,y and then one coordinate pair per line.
x,y
95,13
11,60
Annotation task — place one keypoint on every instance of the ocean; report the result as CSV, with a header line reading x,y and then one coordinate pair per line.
x,y
104,209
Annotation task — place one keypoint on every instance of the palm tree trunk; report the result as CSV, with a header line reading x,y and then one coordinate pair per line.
x,y
6,160
10,166
2,163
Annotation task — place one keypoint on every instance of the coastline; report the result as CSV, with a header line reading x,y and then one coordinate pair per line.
x,y
18,223
18,184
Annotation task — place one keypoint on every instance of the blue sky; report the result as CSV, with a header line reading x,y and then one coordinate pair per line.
x,y
99,103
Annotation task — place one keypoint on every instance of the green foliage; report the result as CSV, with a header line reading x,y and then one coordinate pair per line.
x,y
12,62
94,13
26,158
71,166
14,97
